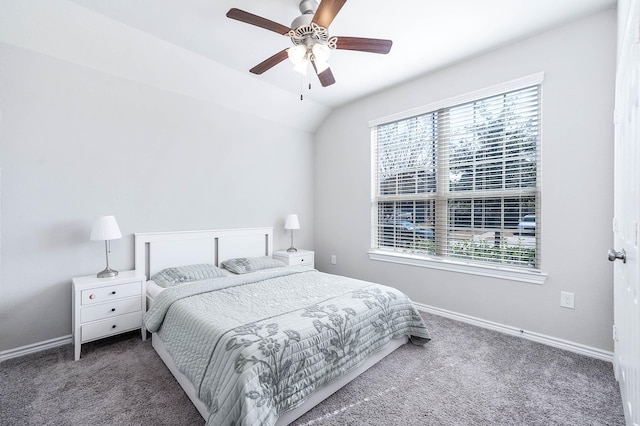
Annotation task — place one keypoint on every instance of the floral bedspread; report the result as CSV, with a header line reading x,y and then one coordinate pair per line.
x,y
256,346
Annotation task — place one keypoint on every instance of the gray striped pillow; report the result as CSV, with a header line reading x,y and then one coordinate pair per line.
x,y
242,265
184,274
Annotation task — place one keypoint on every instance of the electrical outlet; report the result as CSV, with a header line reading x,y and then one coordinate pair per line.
x,y
567,299
333,259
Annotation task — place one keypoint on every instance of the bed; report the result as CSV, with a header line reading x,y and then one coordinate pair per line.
x,y
264,345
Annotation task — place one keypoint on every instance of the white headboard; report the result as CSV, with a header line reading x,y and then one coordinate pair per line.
x,y
155,251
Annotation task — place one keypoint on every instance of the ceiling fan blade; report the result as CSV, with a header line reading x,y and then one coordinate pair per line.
x,y
270,62
372,45
327,10
258,21
326,77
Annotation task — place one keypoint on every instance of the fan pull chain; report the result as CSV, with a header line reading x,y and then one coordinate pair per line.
x,y
301,97
301,89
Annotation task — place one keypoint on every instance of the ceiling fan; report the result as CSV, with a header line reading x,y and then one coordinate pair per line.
x,y
310,37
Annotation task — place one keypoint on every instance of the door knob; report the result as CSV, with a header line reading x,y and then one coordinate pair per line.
x,y
613,255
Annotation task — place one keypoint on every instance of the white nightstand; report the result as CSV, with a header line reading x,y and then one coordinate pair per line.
x,y
104,307
303,258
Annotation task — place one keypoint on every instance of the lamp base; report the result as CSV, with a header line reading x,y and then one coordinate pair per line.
x,y
107,273
292,249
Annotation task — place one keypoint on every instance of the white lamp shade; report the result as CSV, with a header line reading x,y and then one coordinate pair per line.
x,y
301,67
105,228
321,52
297,54
292,222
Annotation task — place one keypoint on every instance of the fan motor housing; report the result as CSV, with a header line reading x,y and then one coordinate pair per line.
x,y
302,21
308,7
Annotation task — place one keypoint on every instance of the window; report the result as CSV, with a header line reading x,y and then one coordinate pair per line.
x,y
461,181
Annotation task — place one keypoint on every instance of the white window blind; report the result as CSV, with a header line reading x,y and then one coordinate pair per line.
x,y
461,181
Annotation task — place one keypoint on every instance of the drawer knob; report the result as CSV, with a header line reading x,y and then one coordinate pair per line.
x,y
113,309
113,326
92,296
113,292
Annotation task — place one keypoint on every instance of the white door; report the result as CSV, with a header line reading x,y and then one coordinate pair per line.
x,y
627,219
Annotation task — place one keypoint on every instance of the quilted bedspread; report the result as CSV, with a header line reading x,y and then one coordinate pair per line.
x,y
256,346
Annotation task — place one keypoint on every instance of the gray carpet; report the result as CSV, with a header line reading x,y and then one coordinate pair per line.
x,y
464,376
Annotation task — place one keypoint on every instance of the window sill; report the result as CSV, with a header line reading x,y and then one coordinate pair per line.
x,y
503,272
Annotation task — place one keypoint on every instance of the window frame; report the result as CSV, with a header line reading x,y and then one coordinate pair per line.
x,y
495,270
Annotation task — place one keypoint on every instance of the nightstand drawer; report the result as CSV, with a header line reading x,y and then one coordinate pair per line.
x,y
115,325
103,294
301,260
107,310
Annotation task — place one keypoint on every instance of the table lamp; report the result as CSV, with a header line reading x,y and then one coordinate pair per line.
x,y
105,228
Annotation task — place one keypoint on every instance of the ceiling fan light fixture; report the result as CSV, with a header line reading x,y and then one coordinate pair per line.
x,y
301,67
321,52
320,56
297,54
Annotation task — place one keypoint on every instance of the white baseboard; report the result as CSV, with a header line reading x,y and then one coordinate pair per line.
x,y
513,331
34,347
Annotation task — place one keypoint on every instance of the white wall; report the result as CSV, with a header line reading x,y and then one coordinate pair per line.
x,y
76,143
577,178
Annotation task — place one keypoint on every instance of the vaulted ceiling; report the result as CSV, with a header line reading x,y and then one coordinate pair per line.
x,y
427,35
